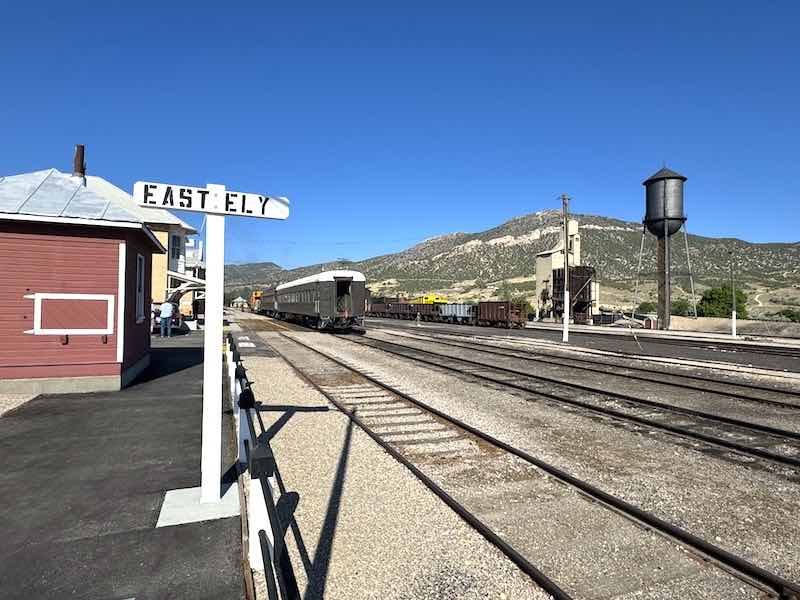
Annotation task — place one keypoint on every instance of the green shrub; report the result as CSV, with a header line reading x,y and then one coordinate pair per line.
x,y
647,307
681,307
716,302
790,314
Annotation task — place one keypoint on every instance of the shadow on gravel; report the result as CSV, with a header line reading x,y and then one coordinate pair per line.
x,y
288,411
318,569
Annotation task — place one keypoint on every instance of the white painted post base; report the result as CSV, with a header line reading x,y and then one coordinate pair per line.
x,y
733,323
565,331
257,519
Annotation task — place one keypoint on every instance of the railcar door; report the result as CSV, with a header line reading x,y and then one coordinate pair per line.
x,y
344,297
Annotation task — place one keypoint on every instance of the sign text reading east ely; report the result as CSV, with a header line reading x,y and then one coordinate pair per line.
x,y
181,197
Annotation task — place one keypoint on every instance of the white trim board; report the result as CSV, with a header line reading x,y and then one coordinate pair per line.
x,y
121,270
37,313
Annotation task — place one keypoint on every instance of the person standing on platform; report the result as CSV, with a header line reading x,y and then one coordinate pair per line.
x,y
166,319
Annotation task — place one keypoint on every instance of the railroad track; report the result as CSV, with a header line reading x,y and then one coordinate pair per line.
x,y
741,437
730,389
699,345
457,461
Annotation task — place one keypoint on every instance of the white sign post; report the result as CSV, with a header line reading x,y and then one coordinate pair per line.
x,y
216,202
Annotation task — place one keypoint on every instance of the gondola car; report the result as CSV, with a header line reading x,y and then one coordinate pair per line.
x,y
501,314
328,300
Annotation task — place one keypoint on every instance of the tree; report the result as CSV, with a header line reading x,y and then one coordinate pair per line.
x,y
681,307
647,306
716,302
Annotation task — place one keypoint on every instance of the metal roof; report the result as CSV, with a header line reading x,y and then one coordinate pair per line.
x,y
151,216
54,197
664,173
51,193
325,276
54,194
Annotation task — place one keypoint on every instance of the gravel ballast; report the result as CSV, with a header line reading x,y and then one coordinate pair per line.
x,y
751,513
369,528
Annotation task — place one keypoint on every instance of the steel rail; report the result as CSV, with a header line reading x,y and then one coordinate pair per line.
x,y
620,395
760,349
746,450
488,533
752,573
551,358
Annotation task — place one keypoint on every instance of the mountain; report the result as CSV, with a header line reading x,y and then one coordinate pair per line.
x,y
461,263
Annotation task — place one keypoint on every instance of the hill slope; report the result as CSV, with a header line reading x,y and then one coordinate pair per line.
x,y
460,262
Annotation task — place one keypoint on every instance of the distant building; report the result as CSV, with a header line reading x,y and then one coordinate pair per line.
x,y
239,303
554,259
75,264
194,276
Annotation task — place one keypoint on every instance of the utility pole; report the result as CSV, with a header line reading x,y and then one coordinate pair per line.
x,y
566,312
733,299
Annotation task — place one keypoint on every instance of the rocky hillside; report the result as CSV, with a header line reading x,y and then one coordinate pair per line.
x,y
480,261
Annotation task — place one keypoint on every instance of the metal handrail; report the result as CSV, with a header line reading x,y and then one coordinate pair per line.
x,y
269,575
261,466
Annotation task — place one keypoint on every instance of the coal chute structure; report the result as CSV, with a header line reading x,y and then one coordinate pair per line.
x,y
664,217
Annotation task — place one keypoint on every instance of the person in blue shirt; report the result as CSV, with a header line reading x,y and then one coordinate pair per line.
x,y
166,319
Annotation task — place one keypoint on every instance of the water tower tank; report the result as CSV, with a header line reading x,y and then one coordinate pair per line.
x,y
664,202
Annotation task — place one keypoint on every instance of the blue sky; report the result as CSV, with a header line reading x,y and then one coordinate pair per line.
x,y
388,123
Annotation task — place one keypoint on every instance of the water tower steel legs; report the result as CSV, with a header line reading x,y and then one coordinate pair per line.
x,y
638,272
689,266
663,267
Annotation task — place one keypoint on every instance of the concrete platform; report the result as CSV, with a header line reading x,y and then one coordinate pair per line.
x,y
83,479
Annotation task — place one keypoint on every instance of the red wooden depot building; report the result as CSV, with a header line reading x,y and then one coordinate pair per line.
x,y
74,286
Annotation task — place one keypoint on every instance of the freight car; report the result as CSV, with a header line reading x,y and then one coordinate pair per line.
x,y
501,314
491,314
402,310
328,300
458,313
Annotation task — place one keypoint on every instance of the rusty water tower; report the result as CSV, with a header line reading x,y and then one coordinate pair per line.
x,y
664,217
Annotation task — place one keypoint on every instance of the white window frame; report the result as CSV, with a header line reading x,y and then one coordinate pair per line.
x,y
140,271
37,313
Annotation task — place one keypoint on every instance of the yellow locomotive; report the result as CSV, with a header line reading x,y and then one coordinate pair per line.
x,y
255,300
430,299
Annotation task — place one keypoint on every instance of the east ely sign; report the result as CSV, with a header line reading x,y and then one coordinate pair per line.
x,y
209,200
218,204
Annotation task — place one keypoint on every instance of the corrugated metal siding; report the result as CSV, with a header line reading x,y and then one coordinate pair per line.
x,y
32,260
